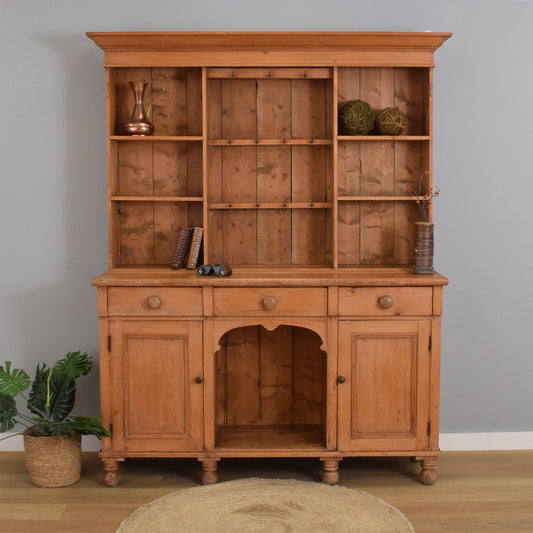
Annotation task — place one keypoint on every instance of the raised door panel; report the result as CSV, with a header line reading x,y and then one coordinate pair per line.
x,y
157,405
384,402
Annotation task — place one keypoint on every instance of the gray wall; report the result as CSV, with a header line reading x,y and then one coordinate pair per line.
x,y
53,192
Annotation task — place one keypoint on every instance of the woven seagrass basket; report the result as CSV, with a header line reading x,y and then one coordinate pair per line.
x,y
53,461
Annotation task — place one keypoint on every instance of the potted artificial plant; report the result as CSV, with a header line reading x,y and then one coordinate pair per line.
x,y
52,438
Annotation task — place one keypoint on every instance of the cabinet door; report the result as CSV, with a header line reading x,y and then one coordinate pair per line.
x,y
384,401
156,403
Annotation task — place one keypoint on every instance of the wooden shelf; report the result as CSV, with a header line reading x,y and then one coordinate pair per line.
x,y
269,142
377,198
262,437
156,138
381,138
273,205
156,199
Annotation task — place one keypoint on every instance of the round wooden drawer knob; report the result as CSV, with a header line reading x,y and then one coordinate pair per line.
x,y
269,302
154,302
385,302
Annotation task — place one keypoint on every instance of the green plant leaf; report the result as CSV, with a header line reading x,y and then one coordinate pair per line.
x,y
8,412
37,398
89,426
62,394
13,381
74,365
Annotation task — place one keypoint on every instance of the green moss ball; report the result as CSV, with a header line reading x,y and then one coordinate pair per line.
x,y
357,117
391,121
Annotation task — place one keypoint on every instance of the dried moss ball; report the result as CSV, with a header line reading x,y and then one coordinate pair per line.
x,y
391,121
357,117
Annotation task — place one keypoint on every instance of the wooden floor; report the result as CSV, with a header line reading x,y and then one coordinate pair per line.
x,y
476,491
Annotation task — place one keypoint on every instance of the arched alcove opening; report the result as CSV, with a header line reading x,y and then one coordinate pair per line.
x,y
270,389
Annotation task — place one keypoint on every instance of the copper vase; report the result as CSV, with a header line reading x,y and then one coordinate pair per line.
x,y
424,248
138,124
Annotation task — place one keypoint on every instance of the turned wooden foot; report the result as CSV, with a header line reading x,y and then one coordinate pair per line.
x,y
209,468
428,474
330,474
111,472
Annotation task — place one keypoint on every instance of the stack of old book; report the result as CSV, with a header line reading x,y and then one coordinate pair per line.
x,y
188,251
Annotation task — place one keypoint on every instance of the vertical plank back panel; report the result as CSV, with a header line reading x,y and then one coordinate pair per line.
x,y
239,184
274,237
239,237
309,374
170,169
214,109
273,109
349,168
215,238
239,109
135,171
377,233
169,95
349,174
243,367
273,174
405,214
239,120
411,96
273,185
377,174
308,105
136,233
276,375
309,171
309,237
239,174
349,233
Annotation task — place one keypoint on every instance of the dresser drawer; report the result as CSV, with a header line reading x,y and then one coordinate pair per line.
x,y
385,301
156,301
261,301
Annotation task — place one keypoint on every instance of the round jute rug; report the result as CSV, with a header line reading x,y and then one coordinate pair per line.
x,y
266,506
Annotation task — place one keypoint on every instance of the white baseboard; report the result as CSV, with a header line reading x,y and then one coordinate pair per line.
x,y
517,440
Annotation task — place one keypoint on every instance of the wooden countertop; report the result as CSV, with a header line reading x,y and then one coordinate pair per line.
x,y
263,277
